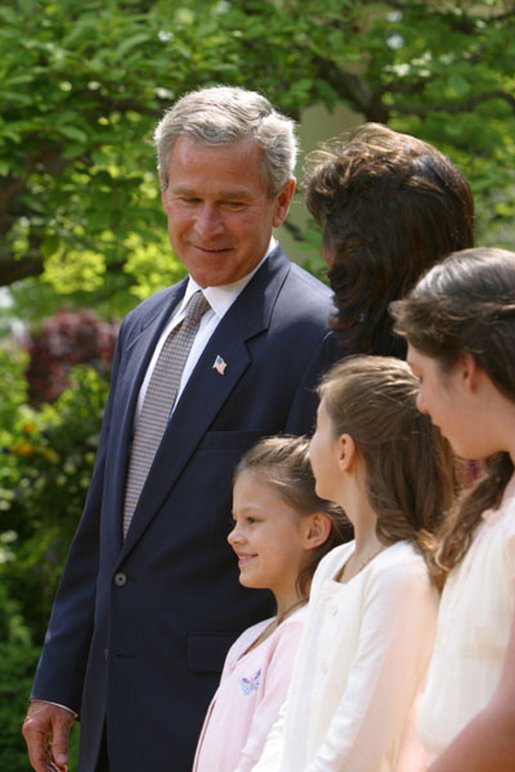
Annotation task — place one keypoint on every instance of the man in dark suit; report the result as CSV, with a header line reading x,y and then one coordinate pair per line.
x,y
149,601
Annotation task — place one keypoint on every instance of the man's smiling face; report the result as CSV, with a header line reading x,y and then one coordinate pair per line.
x,y
220,214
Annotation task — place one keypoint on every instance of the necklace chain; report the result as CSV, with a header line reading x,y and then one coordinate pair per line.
x,y
274,624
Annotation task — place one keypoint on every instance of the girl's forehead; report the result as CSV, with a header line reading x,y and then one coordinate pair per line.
x,y
260,479
415,358
322,410
322,403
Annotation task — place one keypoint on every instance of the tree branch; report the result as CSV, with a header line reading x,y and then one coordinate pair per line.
x,y
351,88
12,270
456,107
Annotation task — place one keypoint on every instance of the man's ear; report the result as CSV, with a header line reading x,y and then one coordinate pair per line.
x,y
317,530
346,452
164,199
282,202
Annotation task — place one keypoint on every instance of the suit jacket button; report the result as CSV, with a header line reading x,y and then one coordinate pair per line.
x,y
120,579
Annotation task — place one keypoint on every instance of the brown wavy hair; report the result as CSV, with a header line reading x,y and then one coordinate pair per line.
x,y
283,463
389,206
467,304
410,478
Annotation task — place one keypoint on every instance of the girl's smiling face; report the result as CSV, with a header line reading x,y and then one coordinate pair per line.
x,y
267,537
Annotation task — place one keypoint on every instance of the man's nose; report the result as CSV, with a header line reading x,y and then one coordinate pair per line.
x,y
208,222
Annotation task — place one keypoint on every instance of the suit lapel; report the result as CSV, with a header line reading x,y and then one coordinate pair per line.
x,y
207,390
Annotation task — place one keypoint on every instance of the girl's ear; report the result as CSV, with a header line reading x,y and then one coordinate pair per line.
x,y
470,370
317,529
346,452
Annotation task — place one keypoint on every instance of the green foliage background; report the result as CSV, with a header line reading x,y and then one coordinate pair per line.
x,y
81,88
47,460
82,85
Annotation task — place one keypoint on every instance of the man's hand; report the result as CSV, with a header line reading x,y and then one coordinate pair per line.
x,y
46,729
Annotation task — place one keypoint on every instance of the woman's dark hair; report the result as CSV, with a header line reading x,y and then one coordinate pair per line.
x,y
389,206
467,304
283,463
409,466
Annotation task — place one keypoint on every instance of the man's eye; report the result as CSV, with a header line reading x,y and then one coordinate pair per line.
x,y
186,200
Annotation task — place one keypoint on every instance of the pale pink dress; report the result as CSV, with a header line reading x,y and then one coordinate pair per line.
x,y
252,689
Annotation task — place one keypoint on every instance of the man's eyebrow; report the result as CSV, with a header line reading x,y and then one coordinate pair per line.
x,y
232,193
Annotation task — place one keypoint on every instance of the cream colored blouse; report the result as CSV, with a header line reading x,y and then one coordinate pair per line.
x,y
473,629
361,662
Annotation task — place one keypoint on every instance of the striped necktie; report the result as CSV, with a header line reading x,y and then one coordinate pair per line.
x,y
159,401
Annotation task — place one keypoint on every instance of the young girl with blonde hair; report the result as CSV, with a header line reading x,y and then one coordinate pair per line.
x,y
281,530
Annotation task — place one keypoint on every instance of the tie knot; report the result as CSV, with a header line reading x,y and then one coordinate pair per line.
x,y
197,307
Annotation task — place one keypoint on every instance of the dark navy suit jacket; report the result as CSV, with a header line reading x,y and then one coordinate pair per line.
x,y
140,628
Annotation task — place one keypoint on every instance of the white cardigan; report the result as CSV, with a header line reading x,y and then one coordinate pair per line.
x,y
361,663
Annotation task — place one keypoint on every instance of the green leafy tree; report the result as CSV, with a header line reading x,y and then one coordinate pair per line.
x,y
440,69
82,84
80,89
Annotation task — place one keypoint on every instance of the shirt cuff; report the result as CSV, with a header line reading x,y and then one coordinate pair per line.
x,y
57,705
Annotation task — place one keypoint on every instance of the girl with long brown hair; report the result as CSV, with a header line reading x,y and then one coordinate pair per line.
x,y
459,322
373,607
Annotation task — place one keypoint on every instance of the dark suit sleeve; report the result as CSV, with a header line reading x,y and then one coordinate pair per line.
x,y
60,672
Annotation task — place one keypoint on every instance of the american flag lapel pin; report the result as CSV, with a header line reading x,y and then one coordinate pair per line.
x,y
219,365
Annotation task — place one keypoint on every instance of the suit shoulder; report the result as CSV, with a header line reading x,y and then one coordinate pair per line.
x,y
303,279
303,295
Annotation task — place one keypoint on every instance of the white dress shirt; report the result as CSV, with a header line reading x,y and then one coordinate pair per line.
x,y
220,300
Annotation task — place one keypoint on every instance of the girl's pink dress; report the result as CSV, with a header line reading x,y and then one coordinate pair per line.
x,y
252,689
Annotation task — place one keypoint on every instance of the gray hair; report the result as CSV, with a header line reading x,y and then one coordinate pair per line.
x,y
221,115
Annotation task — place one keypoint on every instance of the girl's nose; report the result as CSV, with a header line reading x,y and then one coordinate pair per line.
x,y
421,404
233,536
